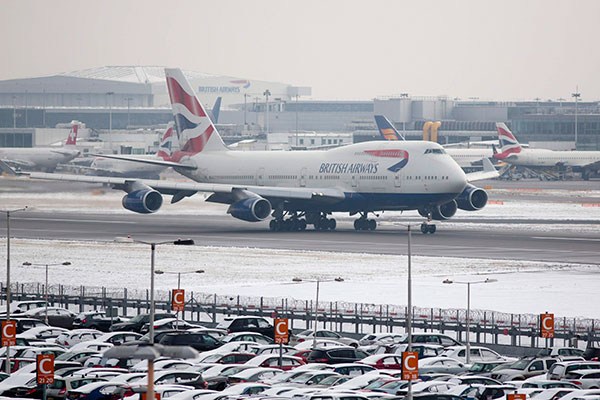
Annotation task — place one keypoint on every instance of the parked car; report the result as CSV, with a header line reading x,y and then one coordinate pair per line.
x,y
272,361
56,316
247,324
259,338
477,353
19,307
169,324
425,350
560,369
94,320
441,365
24,323
309,334
336,355
98,391
431,338
198,340
70,338
486,368
43,333
547,384
524,368
229,358
62,386
482,392
585,379
380,338
255,374
564,353
383,361
136,323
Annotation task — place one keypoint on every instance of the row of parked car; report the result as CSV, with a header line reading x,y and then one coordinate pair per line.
x,y
236,360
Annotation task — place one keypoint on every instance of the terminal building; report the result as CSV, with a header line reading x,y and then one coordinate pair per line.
x,y
135,99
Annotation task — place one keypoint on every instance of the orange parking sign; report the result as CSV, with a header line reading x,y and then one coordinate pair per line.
x,y
547,325
178,300
9,333
516,396
281,331
45,369
410,365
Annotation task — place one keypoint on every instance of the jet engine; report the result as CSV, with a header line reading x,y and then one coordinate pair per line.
x,y
252,209
143,201
441,212
472,198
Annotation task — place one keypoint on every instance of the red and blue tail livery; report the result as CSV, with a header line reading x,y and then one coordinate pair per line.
x,y
508,142
194,127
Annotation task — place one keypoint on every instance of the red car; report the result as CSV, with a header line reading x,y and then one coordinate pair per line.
x,y
383,361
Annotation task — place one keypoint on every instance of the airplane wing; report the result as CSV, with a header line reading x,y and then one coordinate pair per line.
x,y
64,152
222,192
146,161
19,163
489,172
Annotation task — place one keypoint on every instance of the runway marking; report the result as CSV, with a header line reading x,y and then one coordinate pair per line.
x,y
565,238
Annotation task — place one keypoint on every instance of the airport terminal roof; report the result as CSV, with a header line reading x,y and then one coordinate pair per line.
x,y
130,74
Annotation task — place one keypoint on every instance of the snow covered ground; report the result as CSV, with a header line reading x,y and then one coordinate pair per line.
x,y
522,287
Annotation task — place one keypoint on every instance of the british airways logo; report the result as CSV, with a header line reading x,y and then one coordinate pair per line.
x,y
395,153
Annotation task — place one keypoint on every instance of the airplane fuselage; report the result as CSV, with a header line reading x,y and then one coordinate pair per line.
x,y
468,158
550,158
373,175
37,157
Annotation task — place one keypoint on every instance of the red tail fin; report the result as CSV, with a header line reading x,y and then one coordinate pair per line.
x,y
72,138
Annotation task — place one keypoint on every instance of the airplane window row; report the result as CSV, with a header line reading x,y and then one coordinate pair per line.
x,y
283,176
373,177
231,177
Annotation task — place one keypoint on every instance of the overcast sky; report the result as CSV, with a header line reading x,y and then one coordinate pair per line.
x,y
347,49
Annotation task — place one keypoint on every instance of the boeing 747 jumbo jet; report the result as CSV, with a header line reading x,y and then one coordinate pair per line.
x,y
468,159
304,187
42,158
511,151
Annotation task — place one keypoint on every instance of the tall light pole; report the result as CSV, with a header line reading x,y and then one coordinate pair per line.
x,y
179,242
8,212
28,264
469,283
160,272
267,93
576,95
246,95
317,281
409,394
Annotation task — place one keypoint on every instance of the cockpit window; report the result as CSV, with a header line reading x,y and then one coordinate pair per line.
x,y
435,151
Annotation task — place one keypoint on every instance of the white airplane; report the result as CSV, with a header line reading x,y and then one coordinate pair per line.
x,y
512,152
300,188
468,159
122,165
42,158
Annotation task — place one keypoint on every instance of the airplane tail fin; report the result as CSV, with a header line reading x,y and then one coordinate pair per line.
x,y
216,110
72,138
387,129
508,142
165,148
195,130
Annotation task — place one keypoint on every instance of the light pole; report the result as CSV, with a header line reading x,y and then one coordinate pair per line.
x,y
8,212
576,95
246,95
28,264
160,272
267,93
318,281
469,283
178,242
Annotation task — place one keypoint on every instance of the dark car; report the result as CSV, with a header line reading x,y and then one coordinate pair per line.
x,y
198,340
592,354
136,323
56,316
248,324
336,355
94,320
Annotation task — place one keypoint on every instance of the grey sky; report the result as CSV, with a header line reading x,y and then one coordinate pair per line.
x,y
348,49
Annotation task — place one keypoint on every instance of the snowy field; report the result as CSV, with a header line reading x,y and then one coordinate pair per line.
x,y
522,287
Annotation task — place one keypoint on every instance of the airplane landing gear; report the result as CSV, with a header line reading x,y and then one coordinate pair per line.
x,y
292,224
320,221
428,228
365,224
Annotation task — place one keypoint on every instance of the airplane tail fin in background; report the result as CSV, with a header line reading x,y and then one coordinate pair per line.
x,y
508,142
386,129
216,110
195,130
165,148
72,138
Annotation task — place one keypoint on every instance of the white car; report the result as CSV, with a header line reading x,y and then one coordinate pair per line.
x,y
478,353
320,343
70,338
585,379
309,334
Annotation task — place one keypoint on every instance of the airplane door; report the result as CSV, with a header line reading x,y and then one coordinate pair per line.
x,y
260,177
303,177
397,180
354,181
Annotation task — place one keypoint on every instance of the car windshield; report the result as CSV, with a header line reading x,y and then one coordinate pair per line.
x,y
137,318
520,364
477,367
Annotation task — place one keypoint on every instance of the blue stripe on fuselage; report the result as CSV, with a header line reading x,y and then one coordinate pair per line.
x,y
373,202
